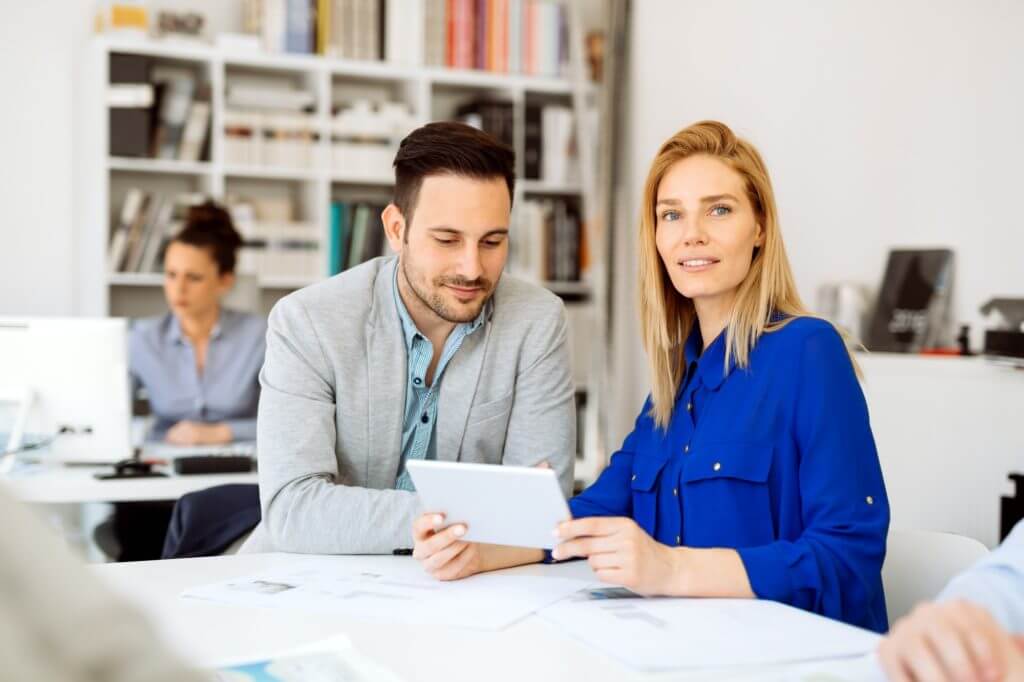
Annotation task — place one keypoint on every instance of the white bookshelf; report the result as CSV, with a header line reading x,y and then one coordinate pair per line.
x,y
428,92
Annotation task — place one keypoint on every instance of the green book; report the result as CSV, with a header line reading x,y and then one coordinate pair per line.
x,y
360,225
340,236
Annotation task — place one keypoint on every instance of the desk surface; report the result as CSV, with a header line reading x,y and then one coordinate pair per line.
x,y
77,484
531,650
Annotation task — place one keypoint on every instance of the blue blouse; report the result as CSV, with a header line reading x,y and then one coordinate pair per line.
x,y
161,359
776,461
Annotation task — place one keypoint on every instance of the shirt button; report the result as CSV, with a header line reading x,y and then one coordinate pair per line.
x,y
424,419
689,407
675,491
634,477
417,381
679,540
718,465
686,448
870,500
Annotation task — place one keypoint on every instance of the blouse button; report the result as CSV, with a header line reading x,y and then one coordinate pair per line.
x,y
679,540
870,500
686,448
718,465
689,407
634,477
675,491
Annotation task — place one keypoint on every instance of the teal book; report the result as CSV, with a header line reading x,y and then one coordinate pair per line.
x,y
340,236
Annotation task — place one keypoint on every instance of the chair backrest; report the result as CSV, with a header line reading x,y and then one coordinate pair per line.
x,y
919,564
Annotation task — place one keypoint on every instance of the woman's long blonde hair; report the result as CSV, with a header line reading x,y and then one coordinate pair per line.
x,y
667,317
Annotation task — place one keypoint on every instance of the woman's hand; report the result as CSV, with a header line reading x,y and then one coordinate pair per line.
x,y
440,551
198,433
622,553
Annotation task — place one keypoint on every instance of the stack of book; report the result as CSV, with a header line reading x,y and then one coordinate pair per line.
x,y
494,117
280,250
147,222
156,111
547,241
365,137
550,144
351,29
270,126
504,36
357,234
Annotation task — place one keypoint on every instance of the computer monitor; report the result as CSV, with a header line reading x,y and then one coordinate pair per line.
x,y
73,372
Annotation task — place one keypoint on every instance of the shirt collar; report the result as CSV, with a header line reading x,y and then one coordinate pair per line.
x,y
711,368
175,335
409,329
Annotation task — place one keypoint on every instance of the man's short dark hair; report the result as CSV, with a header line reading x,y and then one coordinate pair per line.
x,y
448,148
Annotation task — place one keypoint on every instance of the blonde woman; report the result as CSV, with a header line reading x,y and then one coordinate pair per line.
x,y
751,471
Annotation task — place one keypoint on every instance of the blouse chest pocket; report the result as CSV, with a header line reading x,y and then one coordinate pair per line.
x,y
726,495
644,484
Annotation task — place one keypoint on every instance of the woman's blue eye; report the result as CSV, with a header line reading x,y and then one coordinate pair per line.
x,y
669,216
720,210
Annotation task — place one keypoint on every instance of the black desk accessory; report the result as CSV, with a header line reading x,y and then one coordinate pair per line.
x,y
132,468
213,464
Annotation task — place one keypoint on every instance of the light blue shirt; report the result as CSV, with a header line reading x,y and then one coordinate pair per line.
x,y
996,582
162,360
419,435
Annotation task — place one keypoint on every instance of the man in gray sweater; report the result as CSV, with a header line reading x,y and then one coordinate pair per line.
x,y
430,355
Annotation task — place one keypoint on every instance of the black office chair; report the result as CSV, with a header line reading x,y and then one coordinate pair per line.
x,y
207,522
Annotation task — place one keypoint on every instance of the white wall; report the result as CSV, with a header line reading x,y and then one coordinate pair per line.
x,y
882,124
37,46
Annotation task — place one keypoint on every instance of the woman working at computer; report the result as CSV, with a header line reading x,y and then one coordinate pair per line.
x,y
752,470
199,363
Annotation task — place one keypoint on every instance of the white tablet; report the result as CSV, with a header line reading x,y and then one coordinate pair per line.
x,y
501,505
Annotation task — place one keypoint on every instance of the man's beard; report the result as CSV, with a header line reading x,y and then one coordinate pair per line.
x,y
436,302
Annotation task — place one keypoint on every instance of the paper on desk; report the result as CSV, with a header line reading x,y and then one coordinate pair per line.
x,y
672,634
402,594
333,659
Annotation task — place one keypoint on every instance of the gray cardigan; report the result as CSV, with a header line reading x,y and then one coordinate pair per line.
x,y
333,394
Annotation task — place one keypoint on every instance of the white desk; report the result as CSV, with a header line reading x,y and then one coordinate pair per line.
x,y
529,651
78,485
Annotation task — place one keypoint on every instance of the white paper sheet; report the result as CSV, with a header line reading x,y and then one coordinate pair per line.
x,y
402,594
673,634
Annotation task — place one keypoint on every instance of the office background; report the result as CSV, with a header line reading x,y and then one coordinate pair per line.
x,y
883,124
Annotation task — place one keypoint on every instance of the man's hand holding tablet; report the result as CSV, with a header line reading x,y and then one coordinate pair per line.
x,y
444,551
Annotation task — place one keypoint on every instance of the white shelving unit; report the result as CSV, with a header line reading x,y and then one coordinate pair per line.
x,y
430,93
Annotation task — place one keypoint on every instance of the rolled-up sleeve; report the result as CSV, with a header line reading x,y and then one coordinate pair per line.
x,y
834,567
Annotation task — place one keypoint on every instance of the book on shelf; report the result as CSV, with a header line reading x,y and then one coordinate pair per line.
x,y
435,38
493,117
130,100
547,241
549,152
356,234
501,36
147,223
176,88
280,250
300,26
195,135
133,209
